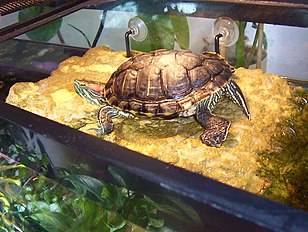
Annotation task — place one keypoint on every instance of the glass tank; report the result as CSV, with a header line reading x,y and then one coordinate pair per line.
x,y
194,113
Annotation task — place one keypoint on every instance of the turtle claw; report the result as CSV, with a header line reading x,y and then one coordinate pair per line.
x,y
218,132
212,139
103,129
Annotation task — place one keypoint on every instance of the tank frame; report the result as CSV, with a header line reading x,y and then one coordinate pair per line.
x,y
221,207
267,11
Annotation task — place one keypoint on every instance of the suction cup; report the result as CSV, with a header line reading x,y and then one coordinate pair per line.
x,y
228,30
139,29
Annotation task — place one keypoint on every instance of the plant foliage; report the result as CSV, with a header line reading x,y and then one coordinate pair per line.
x,y
45,32
163,32
29,201
287,166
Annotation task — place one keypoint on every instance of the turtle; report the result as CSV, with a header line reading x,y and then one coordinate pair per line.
x,y
167,84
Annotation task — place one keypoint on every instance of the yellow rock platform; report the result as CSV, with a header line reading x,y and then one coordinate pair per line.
x,y
174,141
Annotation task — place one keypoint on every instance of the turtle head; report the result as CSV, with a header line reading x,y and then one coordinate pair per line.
x,y
92,92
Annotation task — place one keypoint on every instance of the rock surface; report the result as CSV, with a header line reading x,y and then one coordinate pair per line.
x,y
174,141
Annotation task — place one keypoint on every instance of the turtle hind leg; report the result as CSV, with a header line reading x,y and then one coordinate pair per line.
x,y
215,128
234,93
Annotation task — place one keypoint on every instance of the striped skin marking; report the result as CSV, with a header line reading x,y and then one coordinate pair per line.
x,y
115,113
215,128
212,101
105,115
105,124
233,92
209,104
90,95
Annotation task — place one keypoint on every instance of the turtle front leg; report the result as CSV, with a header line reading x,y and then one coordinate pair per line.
x,y
215,128
105,124
105,115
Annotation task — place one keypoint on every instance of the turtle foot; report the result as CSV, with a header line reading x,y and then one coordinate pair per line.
x,y
103,129
216,131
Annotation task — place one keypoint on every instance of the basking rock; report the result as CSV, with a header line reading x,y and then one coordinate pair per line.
x,y
176,140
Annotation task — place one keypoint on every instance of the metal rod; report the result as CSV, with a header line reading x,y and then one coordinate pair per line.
x,y
260,43
127,42
223,50
19,28
217,37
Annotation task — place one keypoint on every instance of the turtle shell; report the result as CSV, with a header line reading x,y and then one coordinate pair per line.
x,y
166,82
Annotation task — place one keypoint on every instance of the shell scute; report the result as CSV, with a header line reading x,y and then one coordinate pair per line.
x,y
125,84
168,108
140,62
136,106
166,82
113,100
151,108
188,60
220,80
213,66
199,76
124,105
176,81
126,65
148,86
163,59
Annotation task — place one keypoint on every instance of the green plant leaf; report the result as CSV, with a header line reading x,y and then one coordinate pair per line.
x,y
190,215
88,183
240,46
54,207
118,174
115,225
4,180
45,32
4,201
181,31
163,31
37,205
156,221
113,197
8,167
53,221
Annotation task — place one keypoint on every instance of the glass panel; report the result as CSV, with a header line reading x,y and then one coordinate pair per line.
x,y
9,9
248,158
81,186
284,47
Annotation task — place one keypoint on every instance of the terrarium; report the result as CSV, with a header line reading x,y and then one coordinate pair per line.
x,y
193,113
